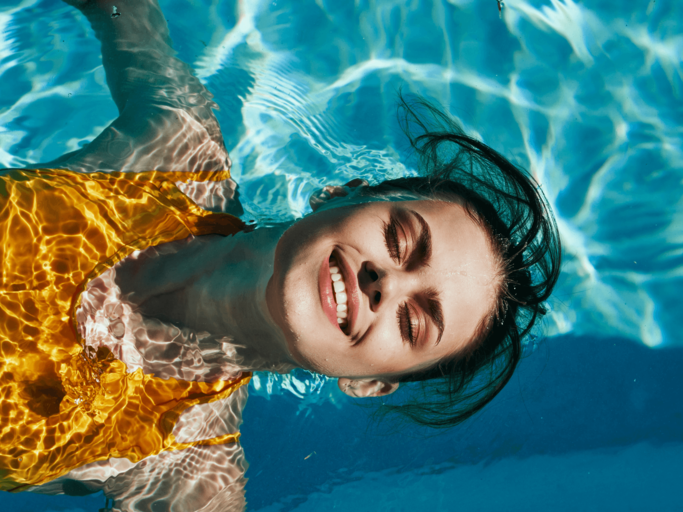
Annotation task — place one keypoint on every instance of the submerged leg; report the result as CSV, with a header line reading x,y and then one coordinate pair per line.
x,y
165,119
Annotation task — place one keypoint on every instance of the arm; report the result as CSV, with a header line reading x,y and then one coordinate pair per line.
x,y
199,478
165,114
206,478
203,478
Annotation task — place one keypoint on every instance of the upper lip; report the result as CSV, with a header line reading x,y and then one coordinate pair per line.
x,y
352,290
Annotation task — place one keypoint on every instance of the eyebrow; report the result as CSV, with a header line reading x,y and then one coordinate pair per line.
x,y
435,312
420,255
422,249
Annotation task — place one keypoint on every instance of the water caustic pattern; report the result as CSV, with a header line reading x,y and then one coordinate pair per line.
x,y
587,95
65,405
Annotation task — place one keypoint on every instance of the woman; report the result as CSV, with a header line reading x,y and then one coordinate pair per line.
x,y
134,306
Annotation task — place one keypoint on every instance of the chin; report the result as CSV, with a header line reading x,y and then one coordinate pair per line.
x,y
294,296
310,342
294,309
314,358
311,339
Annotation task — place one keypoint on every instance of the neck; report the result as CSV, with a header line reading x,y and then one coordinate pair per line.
x,y
213,284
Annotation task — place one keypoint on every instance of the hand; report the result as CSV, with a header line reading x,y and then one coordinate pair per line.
x,y
320,197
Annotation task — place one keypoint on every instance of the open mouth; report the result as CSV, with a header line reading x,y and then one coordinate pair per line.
x,y
338,292
341,298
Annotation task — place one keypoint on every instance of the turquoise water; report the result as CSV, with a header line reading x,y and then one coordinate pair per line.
x,y
587,95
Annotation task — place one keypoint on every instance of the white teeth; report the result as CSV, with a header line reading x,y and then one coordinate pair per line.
x,y
339,296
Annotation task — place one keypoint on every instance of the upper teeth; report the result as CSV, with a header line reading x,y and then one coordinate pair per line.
x,y
339,293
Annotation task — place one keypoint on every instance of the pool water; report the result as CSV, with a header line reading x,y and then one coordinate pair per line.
x,y
586,95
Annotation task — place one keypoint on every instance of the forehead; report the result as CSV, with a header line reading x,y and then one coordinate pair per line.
x,y
456,235
462,268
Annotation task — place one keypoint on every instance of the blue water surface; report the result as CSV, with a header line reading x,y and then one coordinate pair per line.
x,y
586,95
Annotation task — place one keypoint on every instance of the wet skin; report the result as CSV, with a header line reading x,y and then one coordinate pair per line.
x,y
409,304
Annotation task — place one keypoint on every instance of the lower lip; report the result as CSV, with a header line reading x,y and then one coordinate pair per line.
x,y
351,289
326,293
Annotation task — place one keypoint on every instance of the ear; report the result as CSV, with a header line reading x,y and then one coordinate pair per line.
x,y
360,388
325,194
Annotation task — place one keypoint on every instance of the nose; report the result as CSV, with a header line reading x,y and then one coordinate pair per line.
x,y
378,284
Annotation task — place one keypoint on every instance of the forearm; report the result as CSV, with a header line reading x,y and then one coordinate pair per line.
x,y
165,118
137,52
202,477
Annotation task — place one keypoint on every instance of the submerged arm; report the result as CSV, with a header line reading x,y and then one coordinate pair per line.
x,y
206,478
165,113
200,478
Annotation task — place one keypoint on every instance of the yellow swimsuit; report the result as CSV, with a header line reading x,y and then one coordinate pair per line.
x,y
61,404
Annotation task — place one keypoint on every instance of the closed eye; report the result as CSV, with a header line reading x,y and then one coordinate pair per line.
x,y
417,255
407,324
396,240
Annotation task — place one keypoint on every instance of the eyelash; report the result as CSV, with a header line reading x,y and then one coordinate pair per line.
x,y
391,240
405,324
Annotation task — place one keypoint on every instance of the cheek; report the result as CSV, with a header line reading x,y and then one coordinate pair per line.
x,y
382,351
320,354
293,247
301,310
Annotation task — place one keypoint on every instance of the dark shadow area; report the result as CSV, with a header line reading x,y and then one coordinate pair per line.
x,y
76,488
31,502
573,394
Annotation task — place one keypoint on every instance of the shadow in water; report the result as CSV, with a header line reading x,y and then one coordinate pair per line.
x,y
572,394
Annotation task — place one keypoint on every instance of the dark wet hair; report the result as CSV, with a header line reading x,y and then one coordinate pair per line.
x,y
509,204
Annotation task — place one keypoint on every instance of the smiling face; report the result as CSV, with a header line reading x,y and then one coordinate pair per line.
x,y
419,277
